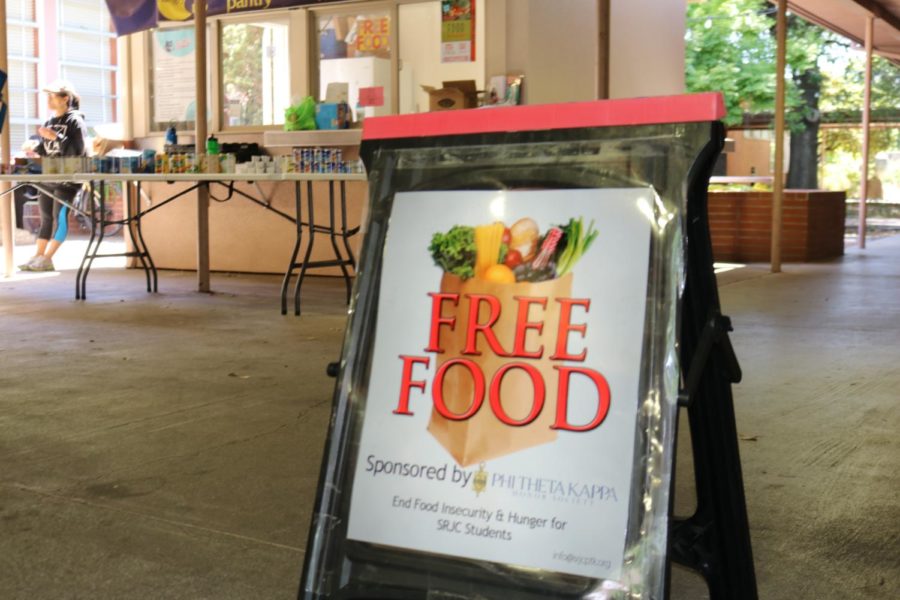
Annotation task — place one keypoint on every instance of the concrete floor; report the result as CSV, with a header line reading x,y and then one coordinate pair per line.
x,y
168,446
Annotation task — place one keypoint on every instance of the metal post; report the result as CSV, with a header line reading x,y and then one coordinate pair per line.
x,y
6,200
603,49
200,148
867,97
778,183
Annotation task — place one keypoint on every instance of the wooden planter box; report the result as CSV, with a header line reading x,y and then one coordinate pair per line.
x,y
740,224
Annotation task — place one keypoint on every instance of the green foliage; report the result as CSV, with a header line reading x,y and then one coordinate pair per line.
x,y
841,152
730,47
242,56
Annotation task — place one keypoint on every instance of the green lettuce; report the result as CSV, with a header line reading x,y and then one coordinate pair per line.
x,y
454,251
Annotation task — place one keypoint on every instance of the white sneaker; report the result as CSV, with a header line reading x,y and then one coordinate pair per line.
x,y
28,265
42,263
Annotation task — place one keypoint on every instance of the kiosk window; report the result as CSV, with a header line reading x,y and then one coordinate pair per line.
x,y
355,48
173,79
254,61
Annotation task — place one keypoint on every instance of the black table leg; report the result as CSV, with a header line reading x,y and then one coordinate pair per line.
x,y
99,223
133,224
333,234
298,239
89,251
309,247
345,235
143,251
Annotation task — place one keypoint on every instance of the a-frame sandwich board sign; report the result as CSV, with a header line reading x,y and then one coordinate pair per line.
x,y
506,403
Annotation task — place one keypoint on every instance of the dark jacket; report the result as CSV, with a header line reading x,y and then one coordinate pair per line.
x,y
71,136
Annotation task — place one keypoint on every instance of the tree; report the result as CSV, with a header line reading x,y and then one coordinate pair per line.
x,y
807,44
731,48
841,103
241,69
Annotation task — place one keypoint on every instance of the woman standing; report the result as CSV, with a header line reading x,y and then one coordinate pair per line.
x,y
64,134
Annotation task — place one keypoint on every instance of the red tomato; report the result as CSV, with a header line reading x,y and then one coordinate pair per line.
x,y
513,259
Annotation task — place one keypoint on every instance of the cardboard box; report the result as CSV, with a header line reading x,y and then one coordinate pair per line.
x,y
335,115
454,95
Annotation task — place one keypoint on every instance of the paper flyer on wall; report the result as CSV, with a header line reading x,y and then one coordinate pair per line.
x,y
457,31
173,58
501,408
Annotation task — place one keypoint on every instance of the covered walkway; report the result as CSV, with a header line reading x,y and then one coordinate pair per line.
x,y
168,446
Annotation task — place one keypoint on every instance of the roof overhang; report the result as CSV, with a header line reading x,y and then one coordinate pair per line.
x,y
848,18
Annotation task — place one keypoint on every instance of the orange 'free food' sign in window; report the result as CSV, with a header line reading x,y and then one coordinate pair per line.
x,y
373,34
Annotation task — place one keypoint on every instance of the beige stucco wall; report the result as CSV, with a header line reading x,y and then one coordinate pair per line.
x,y
646,48
555,45
420,59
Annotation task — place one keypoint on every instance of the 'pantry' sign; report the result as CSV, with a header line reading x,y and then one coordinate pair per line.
x,y
500,412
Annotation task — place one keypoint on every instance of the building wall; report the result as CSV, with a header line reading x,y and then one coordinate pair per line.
x,y
555,45
646,48
751,155
420,58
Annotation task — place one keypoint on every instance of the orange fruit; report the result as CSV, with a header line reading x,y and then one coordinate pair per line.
x,y
499,274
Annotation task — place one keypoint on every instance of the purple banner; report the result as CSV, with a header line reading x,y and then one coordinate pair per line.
x,y
130,16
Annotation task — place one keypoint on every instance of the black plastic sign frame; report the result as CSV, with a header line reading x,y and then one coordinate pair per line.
x,y
506,403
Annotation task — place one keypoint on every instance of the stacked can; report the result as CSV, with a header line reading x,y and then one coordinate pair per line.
x,y
319,160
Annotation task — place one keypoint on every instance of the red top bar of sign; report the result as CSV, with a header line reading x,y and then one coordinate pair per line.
x,y
656,110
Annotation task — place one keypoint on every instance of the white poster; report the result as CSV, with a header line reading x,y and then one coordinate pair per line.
x,y
500,412
456,52
174,75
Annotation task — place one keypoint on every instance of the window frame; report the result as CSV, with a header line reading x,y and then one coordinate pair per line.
x,y
389,6
108,69
150,78
218,105
27,95
303,54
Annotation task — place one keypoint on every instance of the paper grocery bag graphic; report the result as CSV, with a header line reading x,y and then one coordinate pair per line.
x,y
484,436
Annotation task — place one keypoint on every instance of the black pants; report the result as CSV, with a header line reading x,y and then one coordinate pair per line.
x,y
54,215
22,195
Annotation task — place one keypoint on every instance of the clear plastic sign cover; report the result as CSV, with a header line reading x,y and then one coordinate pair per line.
x,y
504,418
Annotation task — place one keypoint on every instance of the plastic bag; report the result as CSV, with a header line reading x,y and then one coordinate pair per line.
x,y
300,116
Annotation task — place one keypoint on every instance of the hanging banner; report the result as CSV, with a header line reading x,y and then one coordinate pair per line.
x,y
457,31
508,357
130,16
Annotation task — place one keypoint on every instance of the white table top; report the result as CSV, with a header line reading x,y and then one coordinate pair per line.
x,y
188,177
